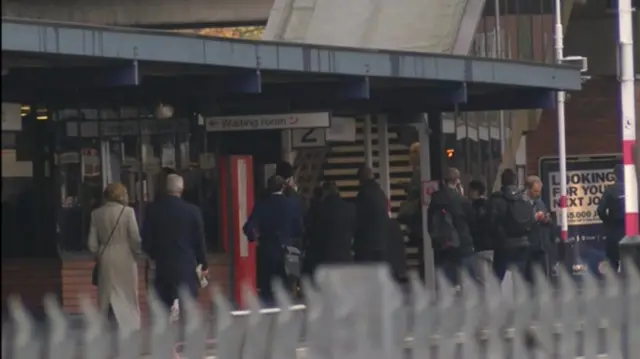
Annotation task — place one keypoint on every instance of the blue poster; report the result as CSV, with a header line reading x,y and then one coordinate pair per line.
x,y
587,178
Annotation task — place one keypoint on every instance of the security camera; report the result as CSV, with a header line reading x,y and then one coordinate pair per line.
x,y
580,61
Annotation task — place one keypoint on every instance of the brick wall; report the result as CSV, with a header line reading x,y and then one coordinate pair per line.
x,y
592,124
31,279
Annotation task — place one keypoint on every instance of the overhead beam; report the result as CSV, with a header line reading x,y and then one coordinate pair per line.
x,y
516,99
75,77
352,88
205,86
440,96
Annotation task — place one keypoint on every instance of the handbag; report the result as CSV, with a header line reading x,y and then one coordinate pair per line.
x,y
292,261
96,271
408,211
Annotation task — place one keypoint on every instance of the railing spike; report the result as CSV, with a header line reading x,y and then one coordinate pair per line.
x,y
194,330
25,344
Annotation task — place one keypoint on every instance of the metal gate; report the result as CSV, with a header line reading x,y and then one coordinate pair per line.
x,y
358,312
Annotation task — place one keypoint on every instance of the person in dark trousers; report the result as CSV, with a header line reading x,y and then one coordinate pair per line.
x,y
612,212
480,231
396,252
541,237
173,237
460,255
311,222
512,242
372,219
286,171
275,222
333,228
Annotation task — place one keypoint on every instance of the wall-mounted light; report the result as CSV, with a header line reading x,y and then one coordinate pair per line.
x,y
164,111
450,152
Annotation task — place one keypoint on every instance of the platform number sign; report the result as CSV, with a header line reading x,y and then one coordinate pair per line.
x,y
308,137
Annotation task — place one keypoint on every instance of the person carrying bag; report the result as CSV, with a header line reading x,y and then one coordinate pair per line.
x,y
95,275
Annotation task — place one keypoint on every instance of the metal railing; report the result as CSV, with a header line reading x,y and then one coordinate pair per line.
x,y
360,312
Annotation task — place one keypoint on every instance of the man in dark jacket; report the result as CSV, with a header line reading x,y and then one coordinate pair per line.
x,y
480,230
541,238
372,219
173,237
612,212
332,229
450,200
274,222
512,246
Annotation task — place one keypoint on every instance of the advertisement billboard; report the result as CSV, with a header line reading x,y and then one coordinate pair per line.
x,y
587,178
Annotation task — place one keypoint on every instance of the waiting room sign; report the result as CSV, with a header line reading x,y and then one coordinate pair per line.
x,y
268,122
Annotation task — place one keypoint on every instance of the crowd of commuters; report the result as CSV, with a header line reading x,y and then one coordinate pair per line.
x,y
479,233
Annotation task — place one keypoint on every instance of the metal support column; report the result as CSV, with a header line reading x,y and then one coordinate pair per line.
x,y
287,148
562,149
628,114
105,162
368,141
425,175
499,55
383,155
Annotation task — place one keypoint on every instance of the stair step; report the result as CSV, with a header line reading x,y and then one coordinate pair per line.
x,y
359,148
360,159
339,172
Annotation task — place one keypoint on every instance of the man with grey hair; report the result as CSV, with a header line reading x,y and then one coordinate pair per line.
x,y
541,236
173,237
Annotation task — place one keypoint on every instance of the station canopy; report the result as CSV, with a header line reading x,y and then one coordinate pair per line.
x,y
76,64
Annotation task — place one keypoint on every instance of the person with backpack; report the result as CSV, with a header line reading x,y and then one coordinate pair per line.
x,y
449,216
611,211
511,221
480,231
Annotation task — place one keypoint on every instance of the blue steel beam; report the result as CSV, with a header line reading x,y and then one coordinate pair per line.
x,y
441,96
205,86
51,38
75,77
516,99
346,89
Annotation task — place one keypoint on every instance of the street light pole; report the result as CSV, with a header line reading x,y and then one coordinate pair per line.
x,y
562,148
628,114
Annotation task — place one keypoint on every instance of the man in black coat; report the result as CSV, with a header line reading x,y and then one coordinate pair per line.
x,y
275,222
449,199
612,212
512,244
173,237
332,228
372,219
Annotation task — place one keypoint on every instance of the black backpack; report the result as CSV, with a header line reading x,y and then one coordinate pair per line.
x,y
519,218
443,234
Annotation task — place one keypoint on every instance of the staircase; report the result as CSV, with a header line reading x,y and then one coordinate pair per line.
x,y
344,159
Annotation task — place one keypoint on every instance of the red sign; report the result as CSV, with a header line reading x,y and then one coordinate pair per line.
x,y
428,187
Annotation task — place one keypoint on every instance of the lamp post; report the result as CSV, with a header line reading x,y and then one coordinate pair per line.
x,y
628,114
562,147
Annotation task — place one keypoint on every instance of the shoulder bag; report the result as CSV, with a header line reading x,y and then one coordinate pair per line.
x,y
96,271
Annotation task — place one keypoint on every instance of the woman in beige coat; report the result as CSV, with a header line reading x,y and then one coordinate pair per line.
x,y
118,269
